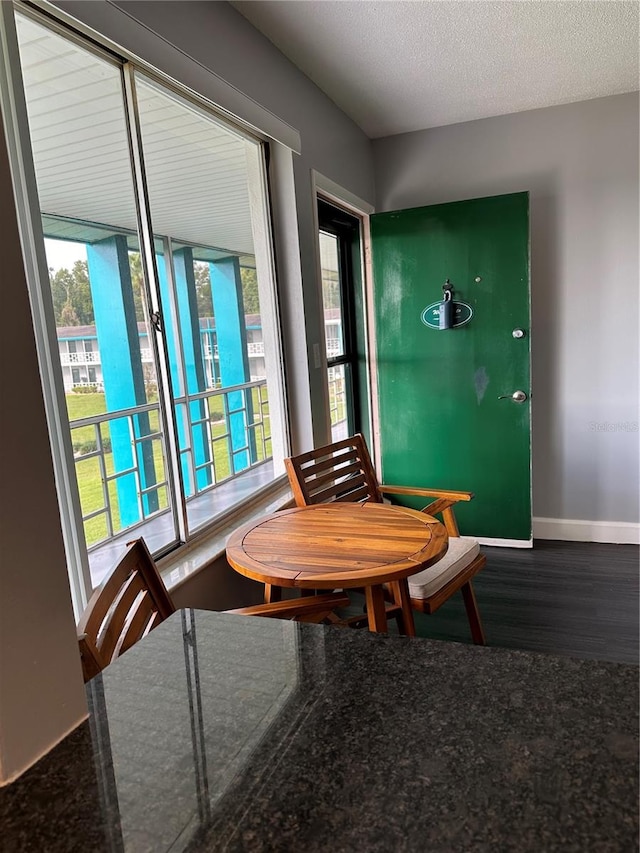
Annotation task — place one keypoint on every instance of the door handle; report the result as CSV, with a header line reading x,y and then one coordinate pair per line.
x,y
517,397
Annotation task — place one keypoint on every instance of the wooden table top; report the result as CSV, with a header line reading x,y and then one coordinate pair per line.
x,y
340,544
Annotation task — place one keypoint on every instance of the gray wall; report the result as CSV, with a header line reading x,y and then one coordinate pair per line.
x,y
580,164
41,693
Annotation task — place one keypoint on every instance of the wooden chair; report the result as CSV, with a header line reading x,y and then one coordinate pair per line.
x,y
133,600
343,471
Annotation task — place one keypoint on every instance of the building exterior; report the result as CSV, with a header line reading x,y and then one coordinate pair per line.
x,y
82,365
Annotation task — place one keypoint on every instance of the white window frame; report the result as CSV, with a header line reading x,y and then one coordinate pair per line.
x,y
15,120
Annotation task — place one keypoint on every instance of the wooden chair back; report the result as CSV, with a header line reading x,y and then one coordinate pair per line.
x,y
129,604
341,471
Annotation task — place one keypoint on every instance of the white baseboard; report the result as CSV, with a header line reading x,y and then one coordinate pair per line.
x,y
505,543
575,530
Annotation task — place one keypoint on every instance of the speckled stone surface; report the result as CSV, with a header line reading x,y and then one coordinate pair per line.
x,y
220,732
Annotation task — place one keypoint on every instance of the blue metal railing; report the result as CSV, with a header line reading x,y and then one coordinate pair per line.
x,y
210,413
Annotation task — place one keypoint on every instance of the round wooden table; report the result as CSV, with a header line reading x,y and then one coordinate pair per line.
x,y
341,546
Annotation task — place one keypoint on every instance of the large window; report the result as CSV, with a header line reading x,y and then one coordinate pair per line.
x,y
161,291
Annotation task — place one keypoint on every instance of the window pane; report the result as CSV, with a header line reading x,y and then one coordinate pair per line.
x,y
199,177
81,154
332,304
338,378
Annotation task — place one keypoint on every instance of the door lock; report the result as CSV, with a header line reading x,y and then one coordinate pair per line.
x,y
517,397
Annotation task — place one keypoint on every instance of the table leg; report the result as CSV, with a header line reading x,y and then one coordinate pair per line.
x,y
272,593
376,611
475,623
400,590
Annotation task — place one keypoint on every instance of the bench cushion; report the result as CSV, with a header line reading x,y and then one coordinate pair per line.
x,y
462,551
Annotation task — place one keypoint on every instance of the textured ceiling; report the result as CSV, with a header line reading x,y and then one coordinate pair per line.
x,y
400,66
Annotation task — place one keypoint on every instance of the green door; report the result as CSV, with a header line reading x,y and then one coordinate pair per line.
x,y
442,422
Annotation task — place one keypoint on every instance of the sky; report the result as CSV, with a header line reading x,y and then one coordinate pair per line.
x,y
63,254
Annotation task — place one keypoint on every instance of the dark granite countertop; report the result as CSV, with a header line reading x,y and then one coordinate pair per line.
x,y
221,732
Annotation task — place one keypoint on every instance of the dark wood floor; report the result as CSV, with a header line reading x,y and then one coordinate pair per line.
x,y
567,598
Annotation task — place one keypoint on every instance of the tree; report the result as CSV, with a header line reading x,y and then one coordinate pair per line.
x,y
250,297
137,284
71,293
73,306
61,283
203,289
69,315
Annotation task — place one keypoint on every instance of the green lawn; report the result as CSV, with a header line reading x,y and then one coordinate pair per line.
x,y
90,481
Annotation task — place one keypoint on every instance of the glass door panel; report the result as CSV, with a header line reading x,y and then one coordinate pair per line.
x,y
199,175
331,294
80,145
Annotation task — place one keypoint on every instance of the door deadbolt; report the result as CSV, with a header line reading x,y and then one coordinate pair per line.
x,y
517,397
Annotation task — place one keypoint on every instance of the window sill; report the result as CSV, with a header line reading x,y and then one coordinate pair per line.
x,y
226,507
191,558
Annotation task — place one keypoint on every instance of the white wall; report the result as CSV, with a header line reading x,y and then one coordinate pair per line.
x,y
580,164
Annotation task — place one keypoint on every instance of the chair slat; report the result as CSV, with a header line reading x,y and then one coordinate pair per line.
x,y
319,475
151,624
114,623
357,495
318,452
334,490
347,471
134,629
330,462
102,599
153,581
343,488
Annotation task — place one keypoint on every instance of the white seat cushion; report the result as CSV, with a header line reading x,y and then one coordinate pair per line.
x,y
462,551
